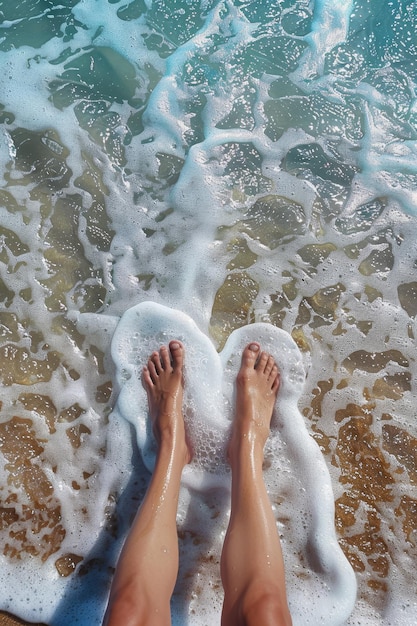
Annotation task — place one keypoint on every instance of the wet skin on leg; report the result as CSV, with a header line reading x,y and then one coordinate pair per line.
x,y
150,552
252,566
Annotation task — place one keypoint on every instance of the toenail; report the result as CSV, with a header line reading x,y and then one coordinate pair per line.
x,y
254,347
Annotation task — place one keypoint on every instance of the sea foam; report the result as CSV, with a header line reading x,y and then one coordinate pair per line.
x,y
311,546
153,151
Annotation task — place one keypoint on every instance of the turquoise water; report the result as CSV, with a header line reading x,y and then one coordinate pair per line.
x,y
240,162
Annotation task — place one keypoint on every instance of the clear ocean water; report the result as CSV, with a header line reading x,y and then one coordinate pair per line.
x,y
222,171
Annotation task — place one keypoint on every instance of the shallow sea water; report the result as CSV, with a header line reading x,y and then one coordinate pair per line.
x,y
240,162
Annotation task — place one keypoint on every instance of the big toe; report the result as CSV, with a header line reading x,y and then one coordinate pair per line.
x,y
177,353
250,354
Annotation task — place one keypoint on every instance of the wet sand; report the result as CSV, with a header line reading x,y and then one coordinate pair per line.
x,y
7,619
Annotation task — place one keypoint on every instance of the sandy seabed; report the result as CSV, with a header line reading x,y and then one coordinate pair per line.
x,y
6,619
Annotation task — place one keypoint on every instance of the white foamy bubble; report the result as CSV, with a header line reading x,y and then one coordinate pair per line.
x,y
209,382
202,371
329,28
48,597
194,265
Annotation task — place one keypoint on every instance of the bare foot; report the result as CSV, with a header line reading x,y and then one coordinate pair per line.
x,y
257,386
163,381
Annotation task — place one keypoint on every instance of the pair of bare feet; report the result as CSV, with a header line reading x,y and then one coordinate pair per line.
x,y
257,386
251,563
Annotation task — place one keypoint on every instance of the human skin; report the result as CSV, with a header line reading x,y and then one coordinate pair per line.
x,y
251,564
148,565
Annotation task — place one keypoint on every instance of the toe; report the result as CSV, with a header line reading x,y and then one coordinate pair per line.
x,y
262,362
152,373
276,380
177,353
146,377
155,360
250,355
269,365
165,358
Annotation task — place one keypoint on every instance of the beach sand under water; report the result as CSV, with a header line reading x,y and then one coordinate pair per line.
x,y
10,620
240,163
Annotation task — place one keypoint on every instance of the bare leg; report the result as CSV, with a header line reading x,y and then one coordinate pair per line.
x,y
252,567
148,565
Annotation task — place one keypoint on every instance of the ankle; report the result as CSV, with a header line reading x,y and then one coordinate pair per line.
x,y
172,442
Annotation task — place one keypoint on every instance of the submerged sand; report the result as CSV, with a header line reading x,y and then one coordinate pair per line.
x,y
6,619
